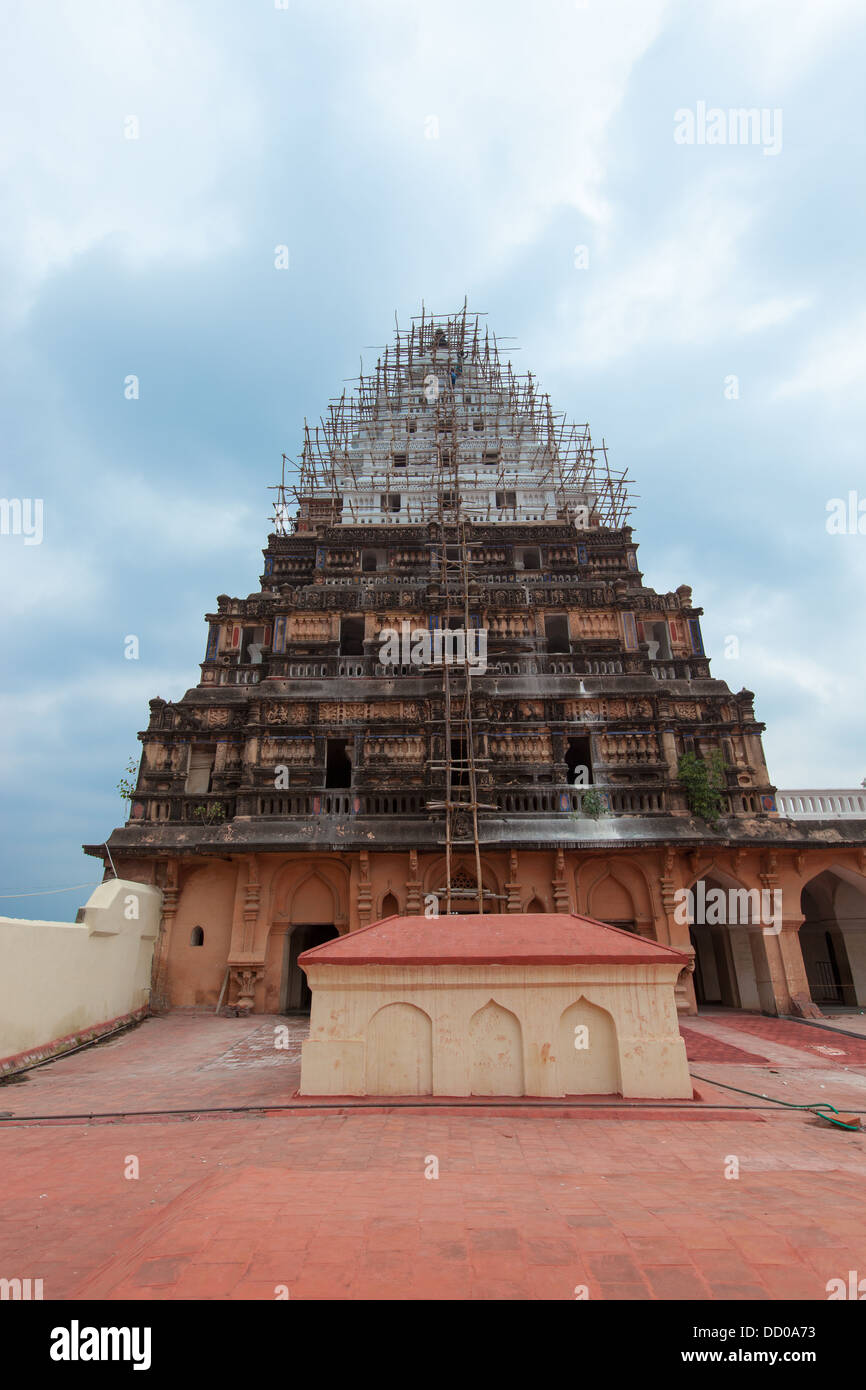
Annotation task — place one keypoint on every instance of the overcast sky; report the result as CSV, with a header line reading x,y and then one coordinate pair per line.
x,y
712,329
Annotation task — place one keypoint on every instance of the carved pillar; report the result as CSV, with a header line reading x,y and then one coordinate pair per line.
x,y
676,934
684,989
252,898
170,894
246,957
512,887
785,968
414,895
365,890
561,899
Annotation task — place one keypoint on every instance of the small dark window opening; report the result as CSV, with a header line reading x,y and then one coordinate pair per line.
x,y
478,426
196,937
199,777
556,632
531,560
490,456
251,642
399,460
352,636
390,906
577,757
369,563
657,636
390,502
506,499
459,770
338,767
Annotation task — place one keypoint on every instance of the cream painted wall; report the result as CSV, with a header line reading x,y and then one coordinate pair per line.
x,y
359,1035
61,978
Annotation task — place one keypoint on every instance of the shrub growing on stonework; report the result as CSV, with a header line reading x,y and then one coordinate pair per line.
x,y
127,784
703,780
214,811
591,804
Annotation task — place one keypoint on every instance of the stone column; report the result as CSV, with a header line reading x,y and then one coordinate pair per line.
x,y
674,933
170,896
365,890
512,887
246,956
561,898
414,894
787,967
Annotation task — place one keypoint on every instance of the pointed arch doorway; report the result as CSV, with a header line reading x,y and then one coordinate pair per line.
x,y
295,995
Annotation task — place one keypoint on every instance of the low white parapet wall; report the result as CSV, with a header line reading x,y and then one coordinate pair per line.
x,y
822,805
64,982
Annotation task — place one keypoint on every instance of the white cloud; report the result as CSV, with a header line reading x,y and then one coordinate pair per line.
x,y
777,40
524,97
71,76
38,727
834,363
794,662
690,285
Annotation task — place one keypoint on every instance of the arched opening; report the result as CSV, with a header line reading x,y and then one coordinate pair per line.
x,y
536,905
295,994
833,941
196,936
715,978
496,1042
587,1058
611,902
726,931
390,906
399,1052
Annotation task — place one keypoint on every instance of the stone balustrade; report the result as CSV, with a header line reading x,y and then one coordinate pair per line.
x,y
822,805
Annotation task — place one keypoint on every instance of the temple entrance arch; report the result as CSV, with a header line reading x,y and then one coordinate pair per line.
x,y
295,995
833,939
726,930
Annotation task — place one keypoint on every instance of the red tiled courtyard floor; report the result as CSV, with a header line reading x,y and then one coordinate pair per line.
x,y
335,1204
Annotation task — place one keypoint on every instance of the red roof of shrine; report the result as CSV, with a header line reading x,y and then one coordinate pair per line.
x,y
527,938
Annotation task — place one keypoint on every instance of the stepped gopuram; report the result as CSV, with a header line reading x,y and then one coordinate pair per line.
x,y
454,693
